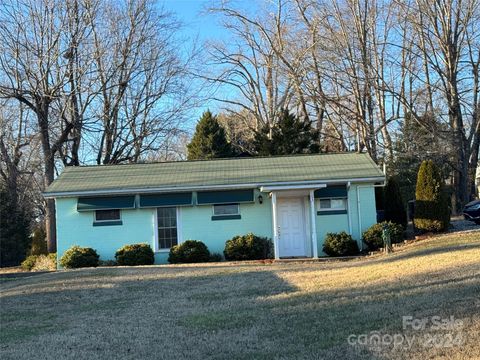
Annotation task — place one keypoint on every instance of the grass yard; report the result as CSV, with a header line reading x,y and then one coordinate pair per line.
x,y
251,311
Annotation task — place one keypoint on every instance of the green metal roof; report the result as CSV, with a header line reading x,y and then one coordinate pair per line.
x,y
204,174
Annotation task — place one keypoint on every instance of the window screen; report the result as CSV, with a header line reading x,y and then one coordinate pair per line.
x,y
107,215
167,227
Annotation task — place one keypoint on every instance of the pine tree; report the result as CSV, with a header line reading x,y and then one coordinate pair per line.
x,y
290,136
432,208
210,140
414,144
14,230
394,206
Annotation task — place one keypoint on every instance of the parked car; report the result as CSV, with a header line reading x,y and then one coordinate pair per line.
x,y
471,211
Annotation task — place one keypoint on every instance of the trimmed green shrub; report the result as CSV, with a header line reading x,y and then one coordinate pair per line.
x,y
29,262
432,205
79,257
52,256
394,206
189,251
135,254
46,262
340,244
373,235
40,262
248,247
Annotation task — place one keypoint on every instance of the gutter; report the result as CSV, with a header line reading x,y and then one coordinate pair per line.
x,y
292,187
312,183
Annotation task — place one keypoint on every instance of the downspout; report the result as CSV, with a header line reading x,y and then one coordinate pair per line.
x,y
359,211
359,217
348,210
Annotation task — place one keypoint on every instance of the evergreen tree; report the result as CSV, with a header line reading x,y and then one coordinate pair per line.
x,y
38,244
290,136
432,208
14,231
210,140
414,143
395,210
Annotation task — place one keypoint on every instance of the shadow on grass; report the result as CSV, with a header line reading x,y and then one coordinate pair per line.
x,y
130,297
428,251
17,275
139,313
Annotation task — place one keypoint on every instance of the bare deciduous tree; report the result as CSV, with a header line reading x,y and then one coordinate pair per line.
x,y
357,68
34,43
104,79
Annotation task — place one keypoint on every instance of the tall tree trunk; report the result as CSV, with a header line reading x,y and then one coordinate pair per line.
x,y
461,148
49,173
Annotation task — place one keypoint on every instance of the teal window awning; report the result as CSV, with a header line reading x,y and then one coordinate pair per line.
x,y
105,203
224,197
170,199
336,191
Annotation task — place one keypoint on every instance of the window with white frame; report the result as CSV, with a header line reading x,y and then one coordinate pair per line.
x,y
107,215
226,209
332,204
167,227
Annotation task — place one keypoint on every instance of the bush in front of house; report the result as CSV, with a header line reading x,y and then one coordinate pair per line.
x,y
248,247
29,262
432,205
79,257
189,251
340,244
46,262
373,235
135,254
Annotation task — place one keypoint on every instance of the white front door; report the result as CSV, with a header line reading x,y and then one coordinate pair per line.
x,y
291,227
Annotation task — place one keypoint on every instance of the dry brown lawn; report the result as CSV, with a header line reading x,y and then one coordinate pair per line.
x,y
251,311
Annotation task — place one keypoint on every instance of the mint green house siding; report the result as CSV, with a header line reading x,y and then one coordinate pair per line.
x,y
198,225
195,223
138,226
329,224
76,228
356,221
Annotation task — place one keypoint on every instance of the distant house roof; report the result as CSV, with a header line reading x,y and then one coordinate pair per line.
x,y
210,174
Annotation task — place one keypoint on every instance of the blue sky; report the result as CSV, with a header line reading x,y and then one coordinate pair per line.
x,y
200,26
192,14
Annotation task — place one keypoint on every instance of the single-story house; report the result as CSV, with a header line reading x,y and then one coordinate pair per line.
x,y
294,200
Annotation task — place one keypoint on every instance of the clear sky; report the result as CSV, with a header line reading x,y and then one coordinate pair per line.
x,y
192,13
197,25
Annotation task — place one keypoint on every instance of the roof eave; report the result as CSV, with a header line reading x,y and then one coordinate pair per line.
x,y
106,192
